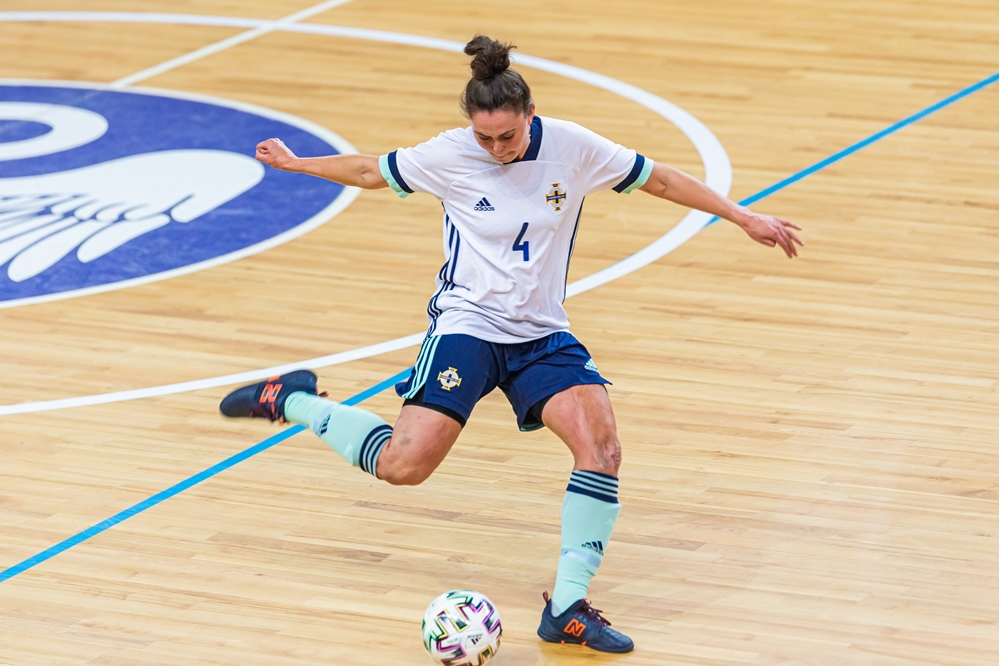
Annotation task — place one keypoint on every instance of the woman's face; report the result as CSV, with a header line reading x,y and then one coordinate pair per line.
x,y
503,133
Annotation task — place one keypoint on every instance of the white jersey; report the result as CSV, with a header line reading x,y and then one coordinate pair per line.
x,y
509,229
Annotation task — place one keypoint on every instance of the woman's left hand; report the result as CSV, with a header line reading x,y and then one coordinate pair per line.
x,y
772,231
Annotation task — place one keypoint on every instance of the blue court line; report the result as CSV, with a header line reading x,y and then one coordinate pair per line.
x,y
381,386
836,157
184,485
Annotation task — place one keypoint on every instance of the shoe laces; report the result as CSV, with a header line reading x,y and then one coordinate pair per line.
x,y
588,610
593,613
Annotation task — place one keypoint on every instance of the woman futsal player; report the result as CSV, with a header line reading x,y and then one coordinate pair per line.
x,y
512,186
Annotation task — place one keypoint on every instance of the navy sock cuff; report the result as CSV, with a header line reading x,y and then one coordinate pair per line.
x,y
372,447
600,486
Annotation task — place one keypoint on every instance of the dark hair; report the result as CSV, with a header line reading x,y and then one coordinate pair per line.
x,y
494,85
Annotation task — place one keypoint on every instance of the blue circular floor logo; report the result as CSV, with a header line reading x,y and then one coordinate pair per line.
x,y
103,188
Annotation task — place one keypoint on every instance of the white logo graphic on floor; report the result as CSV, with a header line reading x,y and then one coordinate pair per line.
x,y
100,187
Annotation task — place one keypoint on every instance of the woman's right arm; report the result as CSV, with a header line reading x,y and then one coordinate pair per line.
x,y
353,170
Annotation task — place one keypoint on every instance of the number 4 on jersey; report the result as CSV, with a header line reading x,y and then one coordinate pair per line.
x,y
518,245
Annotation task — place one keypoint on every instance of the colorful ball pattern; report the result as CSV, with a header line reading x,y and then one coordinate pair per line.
x,y
461,628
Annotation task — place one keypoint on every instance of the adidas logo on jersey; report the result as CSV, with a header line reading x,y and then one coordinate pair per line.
x,y
483,206
590,365
595,546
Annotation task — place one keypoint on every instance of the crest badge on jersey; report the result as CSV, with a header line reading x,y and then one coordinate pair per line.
x,y
556,196
102,188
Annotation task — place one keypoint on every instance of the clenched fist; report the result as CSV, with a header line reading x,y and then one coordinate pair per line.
x,y
275,153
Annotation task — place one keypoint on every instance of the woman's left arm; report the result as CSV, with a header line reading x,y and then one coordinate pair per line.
x,y
668,183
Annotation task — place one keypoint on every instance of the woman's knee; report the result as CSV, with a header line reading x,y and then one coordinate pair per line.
x,y
397,468
404,478
420,441
602,455
608,454
398,475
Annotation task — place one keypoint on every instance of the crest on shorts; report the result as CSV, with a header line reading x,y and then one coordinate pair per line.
x,y
449,379
556,196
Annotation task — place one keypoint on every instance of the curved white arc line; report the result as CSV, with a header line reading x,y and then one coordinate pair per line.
x,y
705,142
718,175
214,382
343,200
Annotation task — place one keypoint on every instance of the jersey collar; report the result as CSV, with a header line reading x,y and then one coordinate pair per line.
x,y
531,154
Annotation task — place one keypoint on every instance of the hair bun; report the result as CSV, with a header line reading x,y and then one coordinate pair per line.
x,y
494,83
489,57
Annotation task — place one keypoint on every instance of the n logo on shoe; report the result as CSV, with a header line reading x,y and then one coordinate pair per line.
x,y
270,393
575,628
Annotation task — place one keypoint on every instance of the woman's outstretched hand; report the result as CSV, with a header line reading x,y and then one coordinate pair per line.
x,y
772,231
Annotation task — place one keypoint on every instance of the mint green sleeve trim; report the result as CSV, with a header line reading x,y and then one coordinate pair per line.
x,y
647,168
383,167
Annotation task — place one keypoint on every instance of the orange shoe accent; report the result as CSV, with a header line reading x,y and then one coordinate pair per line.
x,y
575,628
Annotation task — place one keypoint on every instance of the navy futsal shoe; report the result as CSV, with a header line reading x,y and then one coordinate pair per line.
x,y
267,399
581,624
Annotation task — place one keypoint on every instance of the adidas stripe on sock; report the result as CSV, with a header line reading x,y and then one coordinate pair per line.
x,y
372,447
602,487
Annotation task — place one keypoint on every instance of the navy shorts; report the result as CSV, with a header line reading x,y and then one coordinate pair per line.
x,y
453,372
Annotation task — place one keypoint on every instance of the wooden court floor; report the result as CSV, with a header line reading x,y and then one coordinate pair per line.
x,y
810,446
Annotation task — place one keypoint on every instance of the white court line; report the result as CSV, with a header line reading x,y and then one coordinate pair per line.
x,y
226,43
718,176
214,382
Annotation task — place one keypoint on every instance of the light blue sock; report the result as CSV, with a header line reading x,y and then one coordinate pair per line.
x,y
589,512
358,436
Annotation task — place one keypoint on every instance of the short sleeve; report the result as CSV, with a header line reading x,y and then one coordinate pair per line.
x,y
389,167
427,167
637,175
607,165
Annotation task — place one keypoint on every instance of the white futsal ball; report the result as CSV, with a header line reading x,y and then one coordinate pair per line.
x,y
461,628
